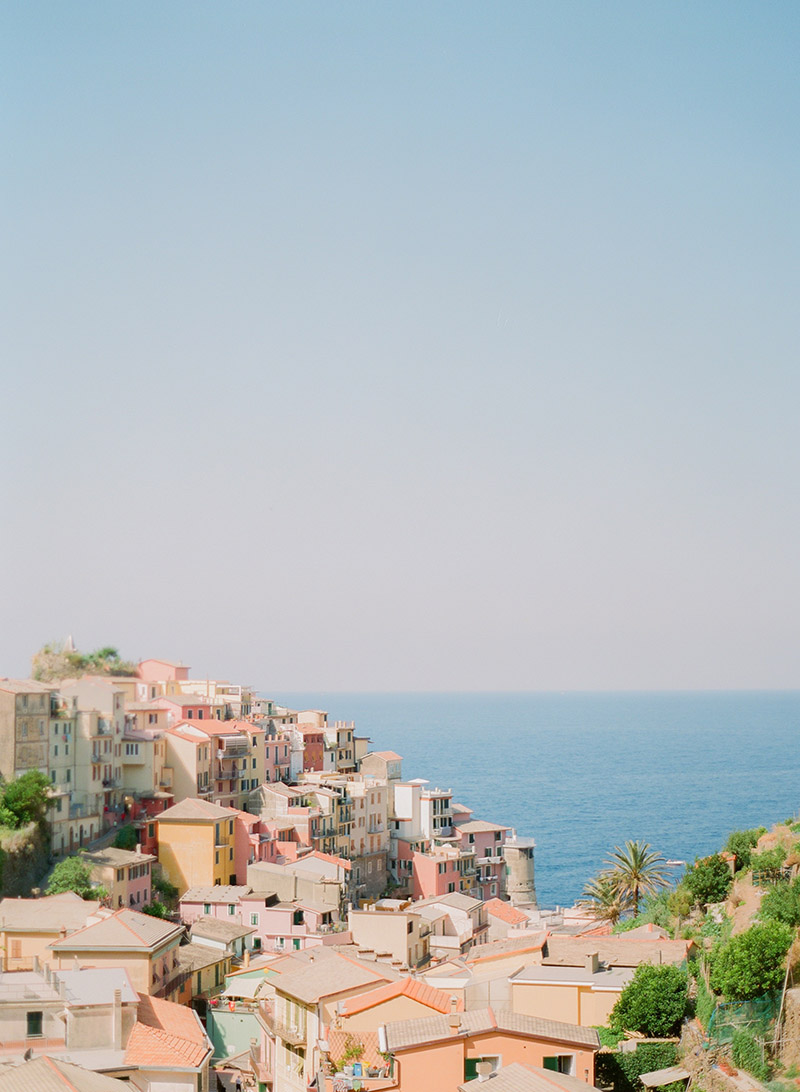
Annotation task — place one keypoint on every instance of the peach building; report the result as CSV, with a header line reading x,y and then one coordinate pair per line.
x,y
126,875
441,1052
29,926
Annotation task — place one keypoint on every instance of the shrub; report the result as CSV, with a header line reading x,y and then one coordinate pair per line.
x,y
71,874
653,1002
747,1055
156,910
770,861
126,838
742,842
781,902
26,799
708,880
167,891
706,1002
621,1071
751,963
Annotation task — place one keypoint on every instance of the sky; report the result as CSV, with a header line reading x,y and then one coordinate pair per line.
x,y
403,346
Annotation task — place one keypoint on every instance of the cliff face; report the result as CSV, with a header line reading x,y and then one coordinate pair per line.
x,y
24,858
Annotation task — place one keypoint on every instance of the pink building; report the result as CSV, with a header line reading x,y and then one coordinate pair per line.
x,y
277,759
162,671
290,926
435,873
313,747
486,841
185,707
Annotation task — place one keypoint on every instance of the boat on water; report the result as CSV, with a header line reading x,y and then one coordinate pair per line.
x,y
675,864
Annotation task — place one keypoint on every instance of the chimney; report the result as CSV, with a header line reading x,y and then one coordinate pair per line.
x,y
592,962
454,1019
246,959
116,1035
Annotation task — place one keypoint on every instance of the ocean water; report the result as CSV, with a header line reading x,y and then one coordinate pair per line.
x,y
584,772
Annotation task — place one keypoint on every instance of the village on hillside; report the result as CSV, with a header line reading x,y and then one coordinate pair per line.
x,y
221,893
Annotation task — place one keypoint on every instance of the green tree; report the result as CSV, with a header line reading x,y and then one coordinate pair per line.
x,y
770,862
653,1002
126,838
156,910
708,880
751,963
605,898
72,874
781,902
26,797
741,843
636,871
680,904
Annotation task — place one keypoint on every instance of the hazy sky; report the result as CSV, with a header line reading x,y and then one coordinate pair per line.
x,y
404,345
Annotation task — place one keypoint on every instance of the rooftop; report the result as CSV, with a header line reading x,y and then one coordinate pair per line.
x,y
117,858
166,1034
216,929
520,1077
412,988
124,929
404,1034
190,809
49,1075
319,972
26,686
614,951
480,826
47,914
497,908
221,893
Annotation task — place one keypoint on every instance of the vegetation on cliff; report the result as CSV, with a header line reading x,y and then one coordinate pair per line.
x,y
56,661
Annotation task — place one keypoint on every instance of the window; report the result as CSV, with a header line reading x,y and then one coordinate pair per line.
x,y
230,827
231,909
34,1024
560,1063
471,839
451,887
56,751
471,1066
53,776
69,775
206,907
254,919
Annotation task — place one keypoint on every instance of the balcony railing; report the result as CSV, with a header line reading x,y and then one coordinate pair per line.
x,y
293,1035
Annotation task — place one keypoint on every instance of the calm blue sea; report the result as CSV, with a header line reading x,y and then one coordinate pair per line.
x,y
583,772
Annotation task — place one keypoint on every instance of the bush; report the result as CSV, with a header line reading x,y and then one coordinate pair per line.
x,y
751,963
708,880
156,910
747,1055
126,838
770,861
742,842
622,1071
653,1002
71,874
781,902
25,799
706,1002
167,891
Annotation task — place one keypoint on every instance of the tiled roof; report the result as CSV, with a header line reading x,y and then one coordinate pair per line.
x,y
404,1034
614,951
219,893
116,858
194,957
409,987
124,929
319,972
217,929
166,1034
390,756
497,949
26,686
519,1077
339,1040
505,912
481,826
191,808
47,914
49,1075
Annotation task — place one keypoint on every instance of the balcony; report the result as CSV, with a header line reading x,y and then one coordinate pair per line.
x,y
293,1035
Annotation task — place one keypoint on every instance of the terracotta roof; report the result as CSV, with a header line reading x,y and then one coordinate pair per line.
x,y
217,929
26,686
505,911
390,756
150,1044
224,893
406,1034
520,1077
339,1040
481,826
49,1075
124,929
190,808
412,988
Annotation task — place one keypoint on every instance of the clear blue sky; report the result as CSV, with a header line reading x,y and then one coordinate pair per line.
x,y
404,345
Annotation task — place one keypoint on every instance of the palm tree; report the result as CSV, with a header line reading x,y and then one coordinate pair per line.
x,y
605,898
635,870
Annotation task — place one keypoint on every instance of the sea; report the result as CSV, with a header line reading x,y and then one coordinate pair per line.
x,y
583,772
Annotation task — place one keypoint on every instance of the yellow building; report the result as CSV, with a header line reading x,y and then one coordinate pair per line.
x,y
196,844
147,948
29,926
